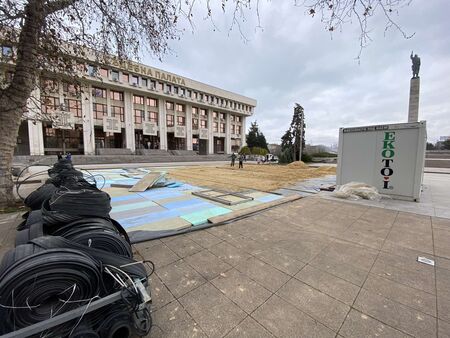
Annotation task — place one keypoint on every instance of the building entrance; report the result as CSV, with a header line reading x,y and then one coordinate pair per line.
x,y
175,143
146,141
62,140
219,145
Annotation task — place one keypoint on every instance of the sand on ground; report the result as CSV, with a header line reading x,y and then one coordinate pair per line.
x,y
259,177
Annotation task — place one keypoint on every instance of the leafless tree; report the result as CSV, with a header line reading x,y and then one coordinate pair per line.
x,y
55,36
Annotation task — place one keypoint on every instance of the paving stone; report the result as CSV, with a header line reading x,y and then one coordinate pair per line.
x,y
412,240
443,301
208,265
183,246
303,250
414,298
331,285
325,309
173,321
396,315
246,244
180,278
334,266
159,293
218,231
269,277
349,253
204,238
358,325
228,253
405,271
281,261
214,312
444,329
284,320
241,290
159,254
249,328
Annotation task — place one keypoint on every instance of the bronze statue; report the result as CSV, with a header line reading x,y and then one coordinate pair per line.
x,y
415,65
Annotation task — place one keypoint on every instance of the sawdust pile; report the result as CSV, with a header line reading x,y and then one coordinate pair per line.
x,y
298,165
258,177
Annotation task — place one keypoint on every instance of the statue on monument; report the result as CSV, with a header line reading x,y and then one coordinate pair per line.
x,y
415,65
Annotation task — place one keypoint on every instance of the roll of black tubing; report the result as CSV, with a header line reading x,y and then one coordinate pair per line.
x,y
36,198
40,285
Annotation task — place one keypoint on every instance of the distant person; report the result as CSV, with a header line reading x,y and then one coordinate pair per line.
x,y
233,159
59,156
69,156
241,161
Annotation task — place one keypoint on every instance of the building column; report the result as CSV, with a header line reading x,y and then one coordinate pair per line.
x,y
88,121
129,122
210,132
188,127
227,134
162,124
243,131
35,131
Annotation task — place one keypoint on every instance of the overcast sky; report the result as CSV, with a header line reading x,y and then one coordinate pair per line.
x,y
294,59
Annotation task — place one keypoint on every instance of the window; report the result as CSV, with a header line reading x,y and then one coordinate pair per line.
x,y
195,95
238,130
138,116
152,84
215,114
180,107
222,116
203,124
194,123
182,91
222,101
222,127
7,52
50,86
118,112
92,70
125,78
194,111
203,113
160,86
152,102
232,118
216,127
99,92
181,121
169,105
144,82
50,104
238,119
134,80
233,129
114,95
168,88
100,111
170,120
115,75
206,98
175,90
71,89
74,106
103,72
138,99
200,96
153,117
189,93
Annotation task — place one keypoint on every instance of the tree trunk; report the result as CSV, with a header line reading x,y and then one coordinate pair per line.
x,y
13,99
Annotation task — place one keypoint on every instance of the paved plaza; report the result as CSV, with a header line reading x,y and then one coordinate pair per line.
x,y
310,268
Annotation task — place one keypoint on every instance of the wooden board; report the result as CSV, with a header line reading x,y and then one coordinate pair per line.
x,y
146,182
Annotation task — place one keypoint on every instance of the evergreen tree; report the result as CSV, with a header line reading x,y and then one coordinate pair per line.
x,y
255,138
290,141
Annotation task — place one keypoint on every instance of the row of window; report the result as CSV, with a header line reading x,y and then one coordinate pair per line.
x,y
139,116
135,80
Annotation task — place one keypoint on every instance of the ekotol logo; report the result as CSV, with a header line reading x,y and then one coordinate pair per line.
x,y
388,153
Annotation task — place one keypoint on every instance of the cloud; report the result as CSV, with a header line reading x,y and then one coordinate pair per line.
x,y
294,59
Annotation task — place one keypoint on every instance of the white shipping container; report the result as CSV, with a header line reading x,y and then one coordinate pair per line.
x,y
389,157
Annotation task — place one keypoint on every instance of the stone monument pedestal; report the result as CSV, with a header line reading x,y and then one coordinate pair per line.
x,y
413,111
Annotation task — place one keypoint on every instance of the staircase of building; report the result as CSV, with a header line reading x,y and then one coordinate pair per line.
x,y
149,156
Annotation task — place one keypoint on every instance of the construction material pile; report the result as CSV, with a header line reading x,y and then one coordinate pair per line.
x,y
72,272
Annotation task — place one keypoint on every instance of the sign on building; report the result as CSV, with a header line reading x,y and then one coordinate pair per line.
x,y
150,128
63,120
203,133
111,124
180,131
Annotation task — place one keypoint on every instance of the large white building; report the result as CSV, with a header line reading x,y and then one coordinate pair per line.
x,y
127,107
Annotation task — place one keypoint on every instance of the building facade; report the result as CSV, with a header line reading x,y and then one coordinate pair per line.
x,y
127,107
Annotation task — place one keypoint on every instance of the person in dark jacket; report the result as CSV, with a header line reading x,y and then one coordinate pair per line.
x,y
233,159
241,161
